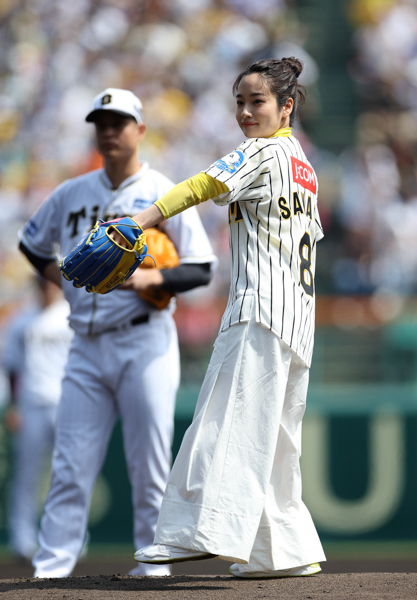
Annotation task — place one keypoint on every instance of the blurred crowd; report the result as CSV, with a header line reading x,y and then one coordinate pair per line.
x,y
181,57
377,202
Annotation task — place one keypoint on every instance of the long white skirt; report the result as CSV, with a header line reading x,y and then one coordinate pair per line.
x,y
235,487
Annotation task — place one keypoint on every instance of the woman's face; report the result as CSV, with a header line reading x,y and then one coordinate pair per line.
x,y
257,110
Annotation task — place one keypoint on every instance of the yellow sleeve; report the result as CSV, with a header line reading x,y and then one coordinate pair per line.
x,y
197,189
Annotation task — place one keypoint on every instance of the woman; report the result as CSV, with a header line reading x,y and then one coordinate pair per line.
x,y
235,489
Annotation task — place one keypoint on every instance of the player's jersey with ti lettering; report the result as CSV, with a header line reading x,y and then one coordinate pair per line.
x,y
73,209
274,227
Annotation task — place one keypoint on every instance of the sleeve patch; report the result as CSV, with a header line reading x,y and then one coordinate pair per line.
x,y
30,228
231,162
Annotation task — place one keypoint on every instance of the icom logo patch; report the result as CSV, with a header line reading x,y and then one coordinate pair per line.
x,y
303,175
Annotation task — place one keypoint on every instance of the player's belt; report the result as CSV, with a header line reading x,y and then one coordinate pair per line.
x,y
139,320
136,321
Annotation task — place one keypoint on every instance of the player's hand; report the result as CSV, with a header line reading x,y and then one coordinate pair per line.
x,y
12,419
143,279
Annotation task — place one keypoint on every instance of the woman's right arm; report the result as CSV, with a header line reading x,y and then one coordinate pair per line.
x,y
189,193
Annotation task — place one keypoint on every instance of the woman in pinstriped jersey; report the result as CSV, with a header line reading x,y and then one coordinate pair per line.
x,y
235,489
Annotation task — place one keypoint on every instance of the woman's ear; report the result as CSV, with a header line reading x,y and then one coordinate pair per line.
x,y
288,107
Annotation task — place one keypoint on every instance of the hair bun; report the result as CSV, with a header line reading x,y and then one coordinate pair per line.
x,y
294,64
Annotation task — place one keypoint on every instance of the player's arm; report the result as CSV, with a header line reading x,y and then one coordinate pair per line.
x,y
191,192
186,277
47,267
38,237
179,279
53,274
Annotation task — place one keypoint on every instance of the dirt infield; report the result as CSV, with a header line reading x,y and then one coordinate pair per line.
x,y
346,586
205,580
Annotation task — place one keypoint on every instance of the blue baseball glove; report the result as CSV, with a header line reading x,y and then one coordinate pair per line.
x,y
101,264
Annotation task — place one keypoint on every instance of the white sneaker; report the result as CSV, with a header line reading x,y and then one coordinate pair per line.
x,y
159,554
294,572
143,569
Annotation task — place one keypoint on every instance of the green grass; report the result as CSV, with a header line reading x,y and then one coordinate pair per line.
x,y
96,552
371,550
334,551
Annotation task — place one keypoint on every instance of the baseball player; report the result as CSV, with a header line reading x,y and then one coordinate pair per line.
x,y
34,357
235,488
124,359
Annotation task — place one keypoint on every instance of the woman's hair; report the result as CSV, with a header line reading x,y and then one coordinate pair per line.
x,y
281,77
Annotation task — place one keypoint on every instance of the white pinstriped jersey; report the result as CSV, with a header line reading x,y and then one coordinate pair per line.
x,y
274,226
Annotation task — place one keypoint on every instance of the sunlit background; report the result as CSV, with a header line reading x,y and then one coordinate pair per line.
x,y
358,129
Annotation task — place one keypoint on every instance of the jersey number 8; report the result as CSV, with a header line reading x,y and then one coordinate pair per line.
x,y
306,276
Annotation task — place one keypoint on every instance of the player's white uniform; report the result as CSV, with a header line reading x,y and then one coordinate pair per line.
x,y
235,487
116,366
36,349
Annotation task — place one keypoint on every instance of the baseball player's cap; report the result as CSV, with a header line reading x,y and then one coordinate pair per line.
x,y
122,102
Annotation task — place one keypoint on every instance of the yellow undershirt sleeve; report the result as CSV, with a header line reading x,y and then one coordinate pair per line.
x,y
197,189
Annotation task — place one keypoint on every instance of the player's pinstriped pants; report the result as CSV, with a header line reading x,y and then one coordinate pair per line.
x,y
235,487
133,373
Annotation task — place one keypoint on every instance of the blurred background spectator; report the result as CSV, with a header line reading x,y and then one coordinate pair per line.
x,y
35,353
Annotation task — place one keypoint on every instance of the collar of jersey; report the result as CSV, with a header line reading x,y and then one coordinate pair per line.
x,y
142,171
284,132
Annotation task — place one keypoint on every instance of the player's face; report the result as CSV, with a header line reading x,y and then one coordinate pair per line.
x,y
257,110
117,136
